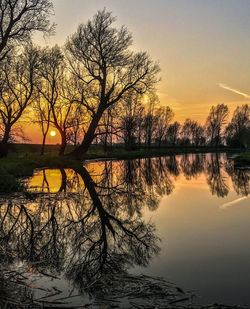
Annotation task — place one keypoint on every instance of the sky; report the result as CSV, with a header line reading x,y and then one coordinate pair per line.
x,y
203,46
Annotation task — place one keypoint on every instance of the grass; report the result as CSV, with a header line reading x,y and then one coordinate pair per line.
x,y
24,158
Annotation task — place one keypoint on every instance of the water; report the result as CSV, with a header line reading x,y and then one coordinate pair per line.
x,y
185,218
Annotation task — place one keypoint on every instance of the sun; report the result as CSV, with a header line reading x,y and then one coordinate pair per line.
x,y
52,133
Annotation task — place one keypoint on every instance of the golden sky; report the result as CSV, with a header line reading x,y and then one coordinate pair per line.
x,y
203,46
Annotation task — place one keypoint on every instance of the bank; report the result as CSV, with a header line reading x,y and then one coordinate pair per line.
x,y
24,158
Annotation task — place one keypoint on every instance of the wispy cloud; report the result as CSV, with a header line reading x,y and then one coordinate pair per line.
x,y
226,205
224,86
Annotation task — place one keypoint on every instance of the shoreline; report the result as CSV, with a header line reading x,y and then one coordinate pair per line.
x,y
26,158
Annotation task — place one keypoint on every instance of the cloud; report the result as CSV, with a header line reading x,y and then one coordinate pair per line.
x,y
224,86
226,205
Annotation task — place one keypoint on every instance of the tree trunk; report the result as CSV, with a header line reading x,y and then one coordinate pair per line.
x,y
89,136
43,144
4,147
63,143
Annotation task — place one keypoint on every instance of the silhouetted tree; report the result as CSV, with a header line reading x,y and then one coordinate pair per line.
x,y
238,130
131,119
150,120
19,19
215,122
192,133
173,133
58,89
99,56
18,77
42,118
164,116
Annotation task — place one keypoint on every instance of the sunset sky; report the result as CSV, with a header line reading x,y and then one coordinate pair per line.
x,y
203,46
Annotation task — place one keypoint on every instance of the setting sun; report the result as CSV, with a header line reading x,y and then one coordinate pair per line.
x,y
52,133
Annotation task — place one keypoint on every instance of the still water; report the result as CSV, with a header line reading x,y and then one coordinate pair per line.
x,y
185,218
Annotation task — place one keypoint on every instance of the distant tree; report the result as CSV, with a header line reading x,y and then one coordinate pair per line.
x,y
215,123
199,138
186,132
164,116
130,118
173,133
99,56
150,120
192,132
19,19
237,130
16,91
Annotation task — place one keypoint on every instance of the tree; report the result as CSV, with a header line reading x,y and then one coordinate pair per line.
x,y
173,133
18,77
150,120
192,132
130,118
99,56
76,123
107,128
42,114
237,129
164,116
58,90
19,19
215,122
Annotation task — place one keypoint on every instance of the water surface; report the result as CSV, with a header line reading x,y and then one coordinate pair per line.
x,y
185,218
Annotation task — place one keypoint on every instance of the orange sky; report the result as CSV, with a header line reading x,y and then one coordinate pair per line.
x,y
203,47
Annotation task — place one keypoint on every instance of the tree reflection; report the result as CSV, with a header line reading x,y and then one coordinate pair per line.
x,y
192,165
216,179
240,179
92,226
84,236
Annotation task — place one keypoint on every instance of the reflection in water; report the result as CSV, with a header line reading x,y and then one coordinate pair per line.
x,y
86,236
144,181
90,226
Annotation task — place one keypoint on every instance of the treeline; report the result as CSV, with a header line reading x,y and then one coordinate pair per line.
x,y
140,125
92,90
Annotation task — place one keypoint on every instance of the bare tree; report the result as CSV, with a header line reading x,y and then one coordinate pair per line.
x,y
16,91
192,133
100,57
237,130
58,90
150,120
76,125
215,122
19,19
130,118
42,117
164,116
173,133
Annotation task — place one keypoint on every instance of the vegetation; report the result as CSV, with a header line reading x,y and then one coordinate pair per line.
x,y
100,96
95,91
24,158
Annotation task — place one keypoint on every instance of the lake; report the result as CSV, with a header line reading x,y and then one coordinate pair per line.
x,y
185,218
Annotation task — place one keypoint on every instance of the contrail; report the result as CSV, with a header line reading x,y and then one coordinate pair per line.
x,y
245,95
225,205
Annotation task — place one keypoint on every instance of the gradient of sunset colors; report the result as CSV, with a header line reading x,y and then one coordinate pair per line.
x,y
203,47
